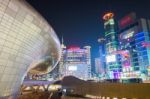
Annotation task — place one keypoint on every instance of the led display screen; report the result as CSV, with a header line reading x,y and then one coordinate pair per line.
x,y
128,34
72,68
110,58
125,21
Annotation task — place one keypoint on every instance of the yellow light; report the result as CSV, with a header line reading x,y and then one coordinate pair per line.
x,y
115,98
41,88
103,97
54,87
28,88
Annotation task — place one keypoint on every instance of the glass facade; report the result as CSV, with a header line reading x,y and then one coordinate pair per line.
x,y
26,41
131,39
111,46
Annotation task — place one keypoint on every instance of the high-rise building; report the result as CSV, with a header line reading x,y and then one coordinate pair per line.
x,y
98,66
113,67
102,54
77,62
134,34
88,59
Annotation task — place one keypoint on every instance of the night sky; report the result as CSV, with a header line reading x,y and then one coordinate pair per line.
x,y
80,21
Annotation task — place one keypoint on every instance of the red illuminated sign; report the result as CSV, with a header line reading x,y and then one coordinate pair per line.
x,y
73,47
146,44
127,20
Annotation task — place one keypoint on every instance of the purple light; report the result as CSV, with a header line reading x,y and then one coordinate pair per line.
x,y
126,63
116,75
35,82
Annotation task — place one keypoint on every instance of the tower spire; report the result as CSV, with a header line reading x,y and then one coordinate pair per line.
x,y
62,43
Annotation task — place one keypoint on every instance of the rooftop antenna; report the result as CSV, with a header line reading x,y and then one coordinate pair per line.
x,y
62,43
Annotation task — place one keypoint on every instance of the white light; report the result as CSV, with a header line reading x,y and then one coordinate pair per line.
x,y
64,90
115,98
128,35
110,58
111,21
72,68
54,87
103,97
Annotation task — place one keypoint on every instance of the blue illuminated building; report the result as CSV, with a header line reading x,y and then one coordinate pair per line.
x,y
134,38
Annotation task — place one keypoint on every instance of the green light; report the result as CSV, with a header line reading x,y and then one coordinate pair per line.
x,y
114,42
109,33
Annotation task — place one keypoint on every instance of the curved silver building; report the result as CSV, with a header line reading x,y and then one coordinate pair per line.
x,y
27,43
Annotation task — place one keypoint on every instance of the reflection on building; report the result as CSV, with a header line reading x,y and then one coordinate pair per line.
x,y
76,62
27,43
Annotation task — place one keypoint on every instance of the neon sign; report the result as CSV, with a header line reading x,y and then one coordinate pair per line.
x,y
126,59
73,48
128,35
146,44
108,16
127,20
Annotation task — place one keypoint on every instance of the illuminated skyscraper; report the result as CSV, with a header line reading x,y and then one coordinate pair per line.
x,y
113,68
134,38
77,62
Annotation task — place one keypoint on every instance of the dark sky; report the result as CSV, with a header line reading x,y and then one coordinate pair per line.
x,y
80,21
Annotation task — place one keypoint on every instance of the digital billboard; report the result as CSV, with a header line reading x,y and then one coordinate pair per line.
x,y
128,34
110,58
126,59
125,21
72,68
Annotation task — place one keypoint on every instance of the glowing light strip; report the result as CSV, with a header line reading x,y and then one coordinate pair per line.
x,y
114,42
109,33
